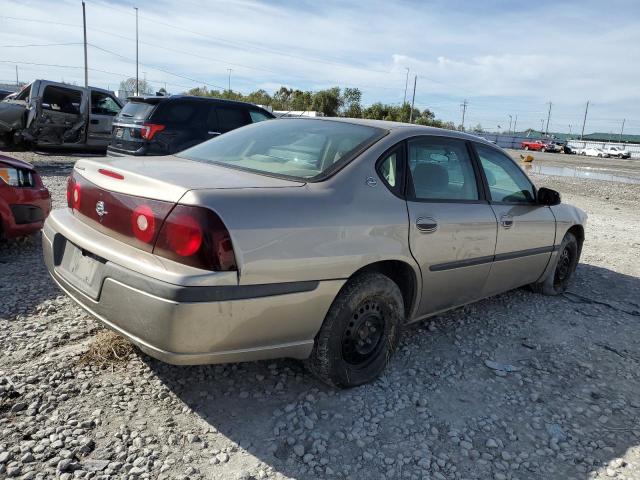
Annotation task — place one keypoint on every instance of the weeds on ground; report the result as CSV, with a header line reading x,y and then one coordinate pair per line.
x,y
107,349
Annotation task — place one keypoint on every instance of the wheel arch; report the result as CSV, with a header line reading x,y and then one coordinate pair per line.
x,y
578,232
402,274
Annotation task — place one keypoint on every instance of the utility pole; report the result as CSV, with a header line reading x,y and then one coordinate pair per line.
x,y
406,84
541,125
137,80
229,70
514,125
569,129
546,132
464,111
622,129
585,119
510,118
415,80
84,28
17,79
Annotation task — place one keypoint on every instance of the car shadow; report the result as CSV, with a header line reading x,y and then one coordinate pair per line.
x,y
564,410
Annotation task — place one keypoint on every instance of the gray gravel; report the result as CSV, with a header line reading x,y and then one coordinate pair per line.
x,y
519,386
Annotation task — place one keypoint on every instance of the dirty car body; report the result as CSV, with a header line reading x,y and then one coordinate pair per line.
x,y
24,201
253,245
52,114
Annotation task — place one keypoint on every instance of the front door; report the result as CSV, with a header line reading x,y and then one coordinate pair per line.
x,y
452,231
103,110
526,230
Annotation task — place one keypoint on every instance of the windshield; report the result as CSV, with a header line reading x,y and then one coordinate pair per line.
x,y
301,148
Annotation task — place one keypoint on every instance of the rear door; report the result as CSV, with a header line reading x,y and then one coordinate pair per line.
x,y
102,110
61,119
452,231
526,230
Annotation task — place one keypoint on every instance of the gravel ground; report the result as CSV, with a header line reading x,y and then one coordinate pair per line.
x,y
519,386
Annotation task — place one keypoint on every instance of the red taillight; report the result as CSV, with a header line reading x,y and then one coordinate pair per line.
x,y
148,130
73,193
143,223
196,236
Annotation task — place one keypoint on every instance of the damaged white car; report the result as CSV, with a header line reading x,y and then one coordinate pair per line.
x,y
57,114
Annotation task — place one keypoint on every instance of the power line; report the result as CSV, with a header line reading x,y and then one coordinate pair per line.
x,y
40,45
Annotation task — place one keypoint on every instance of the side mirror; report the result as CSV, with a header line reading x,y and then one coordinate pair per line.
x,y
548,197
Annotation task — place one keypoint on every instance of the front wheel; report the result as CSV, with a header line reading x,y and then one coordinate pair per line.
x,y
557,282
359,333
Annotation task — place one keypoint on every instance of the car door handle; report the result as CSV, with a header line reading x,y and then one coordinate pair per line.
x,y
213,133
506,221
426,224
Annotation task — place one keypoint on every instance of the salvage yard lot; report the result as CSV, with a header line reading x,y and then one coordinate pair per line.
x,y
519,386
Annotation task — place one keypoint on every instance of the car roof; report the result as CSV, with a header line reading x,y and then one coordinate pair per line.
x,y
160,99
409,128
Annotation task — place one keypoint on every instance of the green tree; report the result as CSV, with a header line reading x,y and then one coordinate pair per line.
x,y
351,107
327,101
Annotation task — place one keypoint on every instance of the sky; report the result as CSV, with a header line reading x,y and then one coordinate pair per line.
x,y
505,58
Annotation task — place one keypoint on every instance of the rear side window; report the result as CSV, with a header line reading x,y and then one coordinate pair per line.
x,y
231,118
60,99
137,110
176,112
441,169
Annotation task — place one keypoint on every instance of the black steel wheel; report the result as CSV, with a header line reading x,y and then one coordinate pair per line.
x,y
359,333
557,281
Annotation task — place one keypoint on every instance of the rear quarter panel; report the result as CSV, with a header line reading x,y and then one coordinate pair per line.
x,y
318,231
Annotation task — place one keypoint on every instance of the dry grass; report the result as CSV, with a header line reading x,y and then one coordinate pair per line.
x,y
108,348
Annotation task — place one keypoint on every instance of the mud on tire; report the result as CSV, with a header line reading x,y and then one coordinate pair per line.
x,y
359,333
558,280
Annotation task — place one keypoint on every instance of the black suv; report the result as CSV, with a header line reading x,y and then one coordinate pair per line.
x,y
166,125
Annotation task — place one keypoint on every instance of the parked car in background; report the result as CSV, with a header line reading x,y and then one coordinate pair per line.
x,y
618,152
52,114
562,147
317,239
537,146
594,152
24,201
167,125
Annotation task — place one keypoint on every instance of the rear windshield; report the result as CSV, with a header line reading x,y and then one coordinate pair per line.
x,y
300,148
137,110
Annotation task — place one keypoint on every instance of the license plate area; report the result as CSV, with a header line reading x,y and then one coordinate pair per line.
x,y
82,269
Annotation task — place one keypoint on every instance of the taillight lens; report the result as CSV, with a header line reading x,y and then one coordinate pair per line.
x,y
148,130
74,193
196,236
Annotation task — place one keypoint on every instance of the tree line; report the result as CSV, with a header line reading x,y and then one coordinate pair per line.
x,y
332,102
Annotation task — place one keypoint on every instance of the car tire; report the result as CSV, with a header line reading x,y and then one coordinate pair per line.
x,y
526,147
360,332
543,149
558,279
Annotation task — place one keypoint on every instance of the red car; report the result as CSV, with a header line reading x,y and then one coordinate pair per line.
x,y
24,201
537,145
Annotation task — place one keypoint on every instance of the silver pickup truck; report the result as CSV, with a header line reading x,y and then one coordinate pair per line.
x,y
48,113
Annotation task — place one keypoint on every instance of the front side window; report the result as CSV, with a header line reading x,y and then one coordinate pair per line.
x,y
441,169
231,118
257,116
302,148
103,104
60,99
507,183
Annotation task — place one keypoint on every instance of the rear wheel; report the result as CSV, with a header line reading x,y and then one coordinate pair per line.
x,y
359,333
566,263
526,147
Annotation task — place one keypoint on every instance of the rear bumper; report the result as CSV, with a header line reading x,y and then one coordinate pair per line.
x,y
183,324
